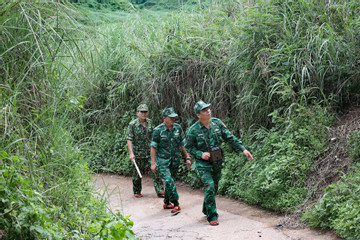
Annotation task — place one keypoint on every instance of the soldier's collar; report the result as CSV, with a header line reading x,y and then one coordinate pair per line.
x,y
138,120
203,126
172,127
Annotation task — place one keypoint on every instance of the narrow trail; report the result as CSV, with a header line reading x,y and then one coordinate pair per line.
x,y
237,220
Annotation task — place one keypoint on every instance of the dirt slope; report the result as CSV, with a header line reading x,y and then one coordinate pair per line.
x,y
237,220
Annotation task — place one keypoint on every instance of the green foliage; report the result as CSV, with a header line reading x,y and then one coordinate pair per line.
x,y
296,53
45,185
247,61
32,210
113,228
154,5
107,151
339,207
112,5
354,146
23,203
283,160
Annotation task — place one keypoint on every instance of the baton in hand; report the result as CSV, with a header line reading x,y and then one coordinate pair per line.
x,y
137,168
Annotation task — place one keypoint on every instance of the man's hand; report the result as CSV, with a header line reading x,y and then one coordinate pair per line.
x,y
205,155
132,157
153,168
188,163
248,155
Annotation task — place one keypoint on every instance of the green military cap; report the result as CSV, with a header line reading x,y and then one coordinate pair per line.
x,y
200,105
169,112
142,107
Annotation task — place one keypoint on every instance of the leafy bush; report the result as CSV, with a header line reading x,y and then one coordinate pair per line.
x,y
354,146
107,151
283,160
39,209
339,208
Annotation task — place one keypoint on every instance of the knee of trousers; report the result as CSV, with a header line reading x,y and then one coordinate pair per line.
x,y
210,186
169,181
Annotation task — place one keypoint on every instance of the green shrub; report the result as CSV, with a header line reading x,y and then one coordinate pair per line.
x,y
107,151
354,146
283,160
339,208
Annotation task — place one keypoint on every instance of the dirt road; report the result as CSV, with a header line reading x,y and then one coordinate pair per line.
x,y
237,220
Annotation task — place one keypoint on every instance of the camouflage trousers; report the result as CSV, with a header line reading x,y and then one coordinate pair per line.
x,y
144,166
210,176
168,170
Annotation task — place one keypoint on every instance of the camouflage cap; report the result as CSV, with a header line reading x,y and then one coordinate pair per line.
x,y
142,107
169,112
200,105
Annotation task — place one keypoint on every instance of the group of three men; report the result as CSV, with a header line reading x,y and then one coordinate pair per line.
x,y
203,141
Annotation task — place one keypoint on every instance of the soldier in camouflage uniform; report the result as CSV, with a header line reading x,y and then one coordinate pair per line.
x,y
202,138
166,140
138,141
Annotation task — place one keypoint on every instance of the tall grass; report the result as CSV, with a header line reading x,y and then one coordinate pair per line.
x,y
245,60
46,190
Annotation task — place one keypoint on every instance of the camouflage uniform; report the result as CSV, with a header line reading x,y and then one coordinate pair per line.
x,y
167,144
198,140
140,137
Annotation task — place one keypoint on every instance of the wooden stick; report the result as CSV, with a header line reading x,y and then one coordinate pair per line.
x,y
137,169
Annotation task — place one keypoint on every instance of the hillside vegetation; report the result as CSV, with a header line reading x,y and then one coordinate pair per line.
x,y
45,183
277,72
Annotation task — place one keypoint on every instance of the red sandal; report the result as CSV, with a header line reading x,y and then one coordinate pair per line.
x,y
168,206
138,195
161,195
176,209
214,222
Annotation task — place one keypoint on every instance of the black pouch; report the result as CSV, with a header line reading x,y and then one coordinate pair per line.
x,y
216,154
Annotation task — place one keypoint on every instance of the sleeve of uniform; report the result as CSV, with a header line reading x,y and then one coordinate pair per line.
x,y
230,138
129,133
155,138
191,144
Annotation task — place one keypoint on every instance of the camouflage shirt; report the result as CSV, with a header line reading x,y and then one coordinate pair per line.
x,y
140,137
167,142
199,138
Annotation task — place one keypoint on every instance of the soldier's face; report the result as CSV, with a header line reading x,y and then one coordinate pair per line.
x,y
142,114
169,121
204,114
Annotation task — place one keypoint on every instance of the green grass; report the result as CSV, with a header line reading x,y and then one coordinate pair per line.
x,y
338,209
46,188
